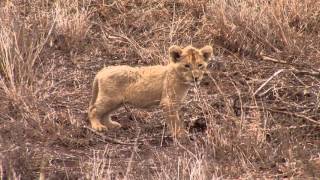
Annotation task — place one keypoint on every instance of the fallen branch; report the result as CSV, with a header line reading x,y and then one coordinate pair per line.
x,y
310,73
295,114
313,72
284,112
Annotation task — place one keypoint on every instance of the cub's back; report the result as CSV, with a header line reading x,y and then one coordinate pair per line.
x,y
124,71
124,76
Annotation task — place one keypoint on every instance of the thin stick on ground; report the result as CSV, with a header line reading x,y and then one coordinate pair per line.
x,y
268,80
109,139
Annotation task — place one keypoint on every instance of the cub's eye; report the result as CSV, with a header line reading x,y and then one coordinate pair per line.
x,y
200,66
188,66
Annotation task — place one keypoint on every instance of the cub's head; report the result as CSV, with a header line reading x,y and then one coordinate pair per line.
x,y
190,63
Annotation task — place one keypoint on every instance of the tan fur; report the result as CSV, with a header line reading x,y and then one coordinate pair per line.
x,y
142,87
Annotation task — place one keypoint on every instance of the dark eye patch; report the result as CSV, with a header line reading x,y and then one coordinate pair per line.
x,y
176,55
188,66
200,65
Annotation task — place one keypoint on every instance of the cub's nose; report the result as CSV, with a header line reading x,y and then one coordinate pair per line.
x,y
196,79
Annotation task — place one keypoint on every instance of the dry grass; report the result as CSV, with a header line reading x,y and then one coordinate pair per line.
x,y
255,116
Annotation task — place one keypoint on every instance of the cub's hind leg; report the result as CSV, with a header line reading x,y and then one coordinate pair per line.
x,y
95,117
110,107
100,111
111,124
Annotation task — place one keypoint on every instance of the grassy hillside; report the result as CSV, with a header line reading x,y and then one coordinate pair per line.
x,y
256,115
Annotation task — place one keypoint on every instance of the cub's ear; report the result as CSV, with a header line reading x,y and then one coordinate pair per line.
x,y
175,53
207,52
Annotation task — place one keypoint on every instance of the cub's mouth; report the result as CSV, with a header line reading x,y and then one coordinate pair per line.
x,y
193,83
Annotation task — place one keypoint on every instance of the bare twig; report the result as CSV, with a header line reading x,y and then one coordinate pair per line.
x,y
135,149
266,58
268,80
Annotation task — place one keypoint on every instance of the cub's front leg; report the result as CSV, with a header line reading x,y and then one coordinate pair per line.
x,y
171,111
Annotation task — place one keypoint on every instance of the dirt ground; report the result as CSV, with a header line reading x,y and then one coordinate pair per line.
x,y
255,115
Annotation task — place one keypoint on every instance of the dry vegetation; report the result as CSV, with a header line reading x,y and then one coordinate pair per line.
x,y
257,114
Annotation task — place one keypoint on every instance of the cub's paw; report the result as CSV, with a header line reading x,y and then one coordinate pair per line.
x,y
113,124
182,134
99,127
182,137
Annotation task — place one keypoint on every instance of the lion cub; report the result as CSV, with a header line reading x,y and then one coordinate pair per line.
x,y
145,86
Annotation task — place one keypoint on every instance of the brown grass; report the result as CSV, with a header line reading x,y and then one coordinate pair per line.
x,y
256,115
